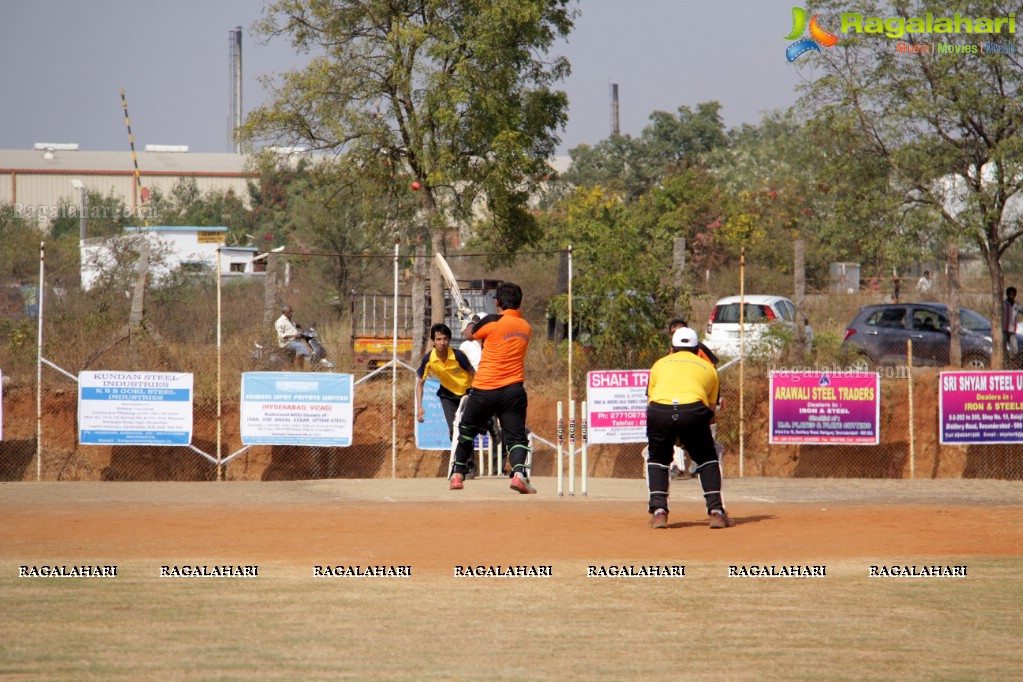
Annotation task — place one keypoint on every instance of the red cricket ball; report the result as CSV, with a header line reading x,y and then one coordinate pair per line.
x,y
416,186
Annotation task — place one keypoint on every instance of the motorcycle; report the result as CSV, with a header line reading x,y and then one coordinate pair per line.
x,y
280,359
319,359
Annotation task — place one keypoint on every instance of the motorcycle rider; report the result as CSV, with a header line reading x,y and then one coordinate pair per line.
x,y
289,339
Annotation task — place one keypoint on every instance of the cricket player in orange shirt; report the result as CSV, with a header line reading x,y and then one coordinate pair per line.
x,y
497,389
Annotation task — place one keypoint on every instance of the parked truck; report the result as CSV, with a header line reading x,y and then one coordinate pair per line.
x,y
373,316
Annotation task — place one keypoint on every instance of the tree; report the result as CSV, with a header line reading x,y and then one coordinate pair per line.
x,y
632,166
454,93
345,214
687,203
946,126
19,245
775,171
105,216
622,294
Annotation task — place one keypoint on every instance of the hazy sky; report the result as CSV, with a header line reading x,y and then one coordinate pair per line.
x,y
65,61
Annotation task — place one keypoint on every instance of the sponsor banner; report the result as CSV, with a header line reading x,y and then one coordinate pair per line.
x,y
297,408
432,432
825,408
980,407
616,406
134,408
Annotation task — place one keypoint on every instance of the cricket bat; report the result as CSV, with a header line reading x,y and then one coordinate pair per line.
x,y
452,284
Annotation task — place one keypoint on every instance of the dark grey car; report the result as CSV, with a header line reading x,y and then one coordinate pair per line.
x,y
878,335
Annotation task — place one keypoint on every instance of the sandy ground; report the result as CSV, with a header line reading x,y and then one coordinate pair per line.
x,y
419,523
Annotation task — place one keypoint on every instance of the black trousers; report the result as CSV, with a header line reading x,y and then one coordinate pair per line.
x,y
508,404
449,403
690,425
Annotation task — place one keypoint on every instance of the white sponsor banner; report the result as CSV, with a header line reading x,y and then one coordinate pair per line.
x,y
134,408
297,408
616,406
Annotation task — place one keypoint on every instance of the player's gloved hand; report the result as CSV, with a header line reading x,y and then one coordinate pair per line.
x,y
467,318
465,311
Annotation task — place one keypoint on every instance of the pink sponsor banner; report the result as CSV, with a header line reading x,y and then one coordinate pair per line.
x,y
824,408
980,407
616,406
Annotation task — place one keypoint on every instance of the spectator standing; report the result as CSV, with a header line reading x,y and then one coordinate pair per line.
x,y
1011,311
923,285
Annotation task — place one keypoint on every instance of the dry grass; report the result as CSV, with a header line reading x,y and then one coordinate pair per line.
x,y
288,625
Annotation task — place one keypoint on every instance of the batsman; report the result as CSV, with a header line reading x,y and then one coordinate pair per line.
x,y
498,388
682,388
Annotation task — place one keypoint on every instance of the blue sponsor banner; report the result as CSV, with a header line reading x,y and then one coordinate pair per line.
x,y
432,433
134,408
137,394
92,437
297,408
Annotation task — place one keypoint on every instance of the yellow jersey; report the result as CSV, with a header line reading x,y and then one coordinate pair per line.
x,y
683,377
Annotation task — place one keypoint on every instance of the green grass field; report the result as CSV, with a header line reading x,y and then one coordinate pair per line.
x,y
287,624
705,626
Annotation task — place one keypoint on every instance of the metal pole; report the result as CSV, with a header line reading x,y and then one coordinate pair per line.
x,y
83,200
83,203
39,366
394,371
569,323
742,353
138,180
220,319
912,449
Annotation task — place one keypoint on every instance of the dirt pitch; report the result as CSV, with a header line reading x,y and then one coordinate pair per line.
x,y
287,624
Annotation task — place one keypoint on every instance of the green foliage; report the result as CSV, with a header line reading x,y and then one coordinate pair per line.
x,y
632,166
187,205
104,216
943,127
687,203
116,263
454,93
19,244
773,173
622,296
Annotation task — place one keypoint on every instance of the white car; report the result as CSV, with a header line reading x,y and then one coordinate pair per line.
x,y
759,312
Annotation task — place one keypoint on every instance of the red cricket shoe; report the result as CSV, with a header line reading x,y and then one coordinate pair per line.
x,y
520,484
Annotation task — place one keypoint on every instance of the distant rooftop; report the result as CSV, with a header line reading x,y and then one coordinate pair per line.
x,y
152,162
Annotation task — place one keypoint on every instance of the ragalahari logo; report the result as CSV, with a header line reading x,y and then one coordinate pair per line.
x,y
818,36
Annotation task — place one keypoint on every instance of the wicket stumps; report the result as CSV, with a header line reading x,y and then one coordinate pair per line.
x,y
572,451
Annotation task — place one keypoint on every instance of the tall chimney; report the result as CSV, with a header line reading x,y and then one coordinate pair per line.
x,y
615,127
234,117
